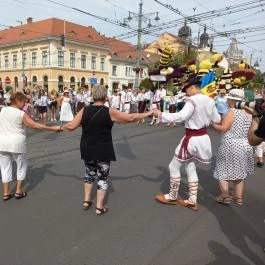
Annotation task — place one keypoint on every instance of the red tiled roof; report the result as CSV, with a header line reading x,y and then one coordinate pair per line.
x,y
126,51
50,27
55,28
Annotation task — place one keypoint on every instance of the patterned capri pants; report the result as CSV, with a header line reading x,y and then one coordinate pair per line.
x,y
97,170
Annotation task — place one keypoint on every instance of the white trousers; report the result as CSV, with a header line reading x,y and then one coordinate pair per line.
x,y
260,149
190,167
6,159
126,107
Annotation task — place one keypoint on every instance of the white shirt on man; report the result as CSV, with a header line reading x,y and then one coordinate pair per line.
x,y
148,95
126,96
115,101
198,112
163,93
140,97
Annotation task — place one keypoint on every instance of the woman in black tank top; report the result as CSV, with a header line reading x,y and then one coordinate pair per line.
x,y
96,145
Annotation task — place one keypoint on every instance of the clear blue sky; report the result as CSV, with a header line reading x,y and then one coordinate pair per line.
x,y
14,10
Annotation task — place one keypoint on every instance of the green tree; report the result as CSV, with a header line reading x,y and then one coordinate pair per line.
x,y
181,58
146,83
259,77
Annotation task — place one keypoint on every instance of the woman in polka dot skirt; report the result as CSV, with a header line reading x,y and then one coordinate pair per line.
x,y
234,159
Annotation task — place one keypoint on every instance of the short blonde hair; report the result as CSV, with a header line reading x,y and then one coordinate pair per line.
x,y
99,93
18,96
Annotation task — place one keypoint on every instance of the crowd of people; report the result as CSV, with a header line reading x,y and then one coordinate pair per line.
x,y
63,105
96,111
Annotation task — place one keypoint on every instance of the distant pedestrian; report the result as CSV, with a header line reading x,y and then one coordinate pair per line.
x,y
2,103
66,110
96,143
221,102
13,143
42,103
260,150
53,105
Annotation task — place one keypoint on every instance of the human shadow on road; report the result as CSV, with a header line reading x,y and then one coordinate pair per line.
x,y
123,148
231,223
36,175
223,255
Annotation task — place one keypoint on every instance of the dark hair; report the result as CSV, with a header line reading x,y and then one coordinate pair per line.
x,y
79,106
41,93
17,96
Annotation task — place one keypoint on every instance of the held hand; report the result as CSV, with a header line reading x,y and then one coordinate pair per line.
x,y
250,111
57,128
213,125
156,112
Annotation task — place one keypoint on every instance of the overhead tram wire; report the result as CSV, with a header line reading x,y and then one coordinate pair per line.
x,y
218,45
114,22
214,11
197,18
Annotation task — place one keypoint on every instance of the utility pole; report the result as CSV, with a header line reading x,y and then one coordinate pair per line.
x,y
250,60
141,18
139,36
22,52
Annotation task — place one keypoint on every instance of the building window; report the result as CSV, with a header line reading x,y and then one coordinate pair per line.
x,y
93,63
45,82
34,59
16,81
83,61
6,61
15,61
102,64
127,71
83,82
34,80
72,59
60,58
24,60
44,58
60,83
114,70
72,82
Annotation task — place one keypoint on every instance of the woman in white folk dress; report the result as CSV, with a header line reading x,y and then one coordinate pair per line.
x,y
66,110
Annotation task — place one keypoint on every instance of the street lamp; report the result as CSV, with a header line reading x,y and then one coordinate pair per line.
x,y
22,51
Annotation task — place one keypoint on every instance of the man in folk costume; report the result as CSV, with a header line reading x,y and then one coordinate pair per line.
x,y
198,112
115,100
126,100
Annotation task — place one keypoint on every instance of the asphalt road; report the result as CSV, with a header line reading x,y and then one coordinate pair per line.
x,y
50,228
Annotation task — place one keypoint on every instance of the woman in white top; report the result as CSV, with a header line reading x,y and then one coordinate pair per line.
x,y
42,103
66,110
13,143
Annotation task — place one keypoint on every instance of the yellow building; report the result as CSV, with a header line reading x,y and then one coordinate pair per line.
x,y
53,53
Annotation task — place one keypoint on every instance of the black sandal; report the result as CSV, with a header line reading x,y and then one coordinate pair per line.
x,y
8,196
87,206
19,196
101,211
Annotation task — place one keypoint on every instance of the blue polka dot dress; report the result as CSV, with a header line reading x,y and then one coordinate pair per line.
x,y
235,158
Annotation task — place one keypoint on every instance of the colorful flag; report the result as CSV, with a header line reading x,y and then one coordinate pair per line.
x,y
208,85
